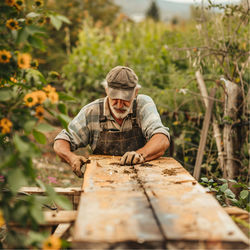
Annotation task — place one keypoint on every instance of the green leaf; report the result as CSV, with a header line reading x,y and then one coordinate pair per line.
x,y
28,126
229,193
62,108
224,187
39,136
63,19
223,180
22,36
56,22
63,202
16,179
204,179
32,29
65,97
36,42
64,119
244,194
21,145
36,212
5,94
44,127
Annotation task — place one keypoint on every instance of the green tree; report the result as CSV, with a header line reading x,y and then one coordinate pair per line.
x,y
153,11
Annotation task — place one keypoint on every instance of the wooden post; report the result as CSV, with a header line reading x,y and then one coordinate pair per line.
x,y
197,168
232,135
216,129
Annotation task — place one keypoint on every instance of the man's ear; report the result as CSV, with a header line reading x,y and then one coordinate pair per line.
x,y
136,92
106,90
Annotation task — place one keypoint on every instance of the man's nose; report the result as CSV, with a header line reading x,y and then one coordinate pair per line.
x,y
119,104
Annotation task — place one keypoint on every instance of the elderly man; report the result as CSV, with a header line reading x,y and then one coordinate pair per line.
x,y
123,123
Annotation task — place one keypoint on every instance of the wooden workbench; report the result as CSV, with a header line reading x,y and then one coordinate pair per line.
x,y
153,205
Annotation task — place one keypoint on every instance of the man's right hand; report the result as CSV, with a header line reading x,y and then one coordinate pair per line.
x,y
78,165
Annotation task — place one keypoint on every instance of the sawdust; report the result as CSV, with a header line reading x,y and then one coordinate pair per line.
x,y
126,172
145,164
169,171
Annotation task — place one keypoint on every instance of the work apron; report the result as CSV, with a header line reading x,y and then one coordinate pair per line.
x,y
112,142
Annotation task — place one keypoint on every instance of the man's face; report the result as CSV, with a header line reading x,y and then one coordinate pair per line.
x,y
120,108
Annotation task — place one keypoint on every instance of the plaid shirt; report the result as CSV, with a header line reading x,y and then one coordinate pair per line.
x,y
85,128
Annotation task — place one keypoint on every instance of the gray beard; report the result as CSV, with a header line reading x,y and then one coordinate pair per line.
x,y
120,115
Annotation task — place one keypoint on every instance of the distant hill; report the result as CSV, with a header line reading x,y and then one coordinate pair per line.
x,y
136,8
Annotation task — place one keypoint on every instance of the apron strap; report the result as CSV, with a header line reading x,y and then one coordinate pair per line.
x,y
134,123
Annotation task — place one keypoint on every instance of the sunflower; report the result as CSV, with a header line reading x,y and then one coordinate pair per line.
x,y
49,89
41,96
39,112
6,125
23,60
28,21
19,4
30,99
53,242
41,21
4,56
12,24
34,64
38,3
10,2
53,96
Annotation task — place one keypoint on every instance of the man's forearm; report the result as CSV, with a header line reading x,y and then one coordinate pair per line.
x,y
155,147
62,149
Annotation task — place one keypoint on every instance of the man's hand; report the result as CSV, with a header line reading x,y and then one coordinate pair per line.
x,y
131,158
79,165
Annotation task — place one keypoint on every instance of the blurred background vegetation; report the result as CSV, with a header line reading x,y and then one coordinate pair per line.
x,y
73,44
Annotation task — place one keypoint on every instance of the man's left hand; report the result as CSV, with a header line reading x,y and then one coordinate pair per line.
x,y
131,158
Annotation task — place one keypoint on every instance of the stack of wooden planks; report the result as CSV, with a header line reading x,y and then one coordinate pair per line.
x,y
152,205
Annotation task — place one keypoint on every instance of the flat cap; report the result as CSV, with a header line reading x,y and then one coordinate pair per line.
x,y
121,83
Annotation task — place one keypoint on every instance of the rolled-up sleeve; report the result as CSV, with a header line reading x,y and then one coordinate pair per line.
x,y
149,118
78,132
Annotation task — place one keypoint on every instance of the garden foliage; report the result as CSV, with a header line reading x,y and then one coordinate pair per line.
x,y
26,96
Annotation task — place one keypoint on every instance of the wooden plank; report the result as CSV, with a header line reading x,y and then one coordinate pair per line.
x,y
216,129
62,229
55,218
183,208
37,190
113,208
205,126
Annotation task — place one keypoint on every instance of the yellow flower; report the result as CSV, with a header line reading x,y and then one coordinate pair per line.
x,y
39,112
19,4
30,99
12,24
13,79
41,21
38,3
28,21
10,2
49,89
23,60
2,221
41,96
34,64
4,56
6,125
53,242
53,96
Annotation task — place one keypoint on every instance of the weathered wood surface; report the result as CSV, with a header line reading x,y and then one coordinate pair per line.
x,y
149,205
